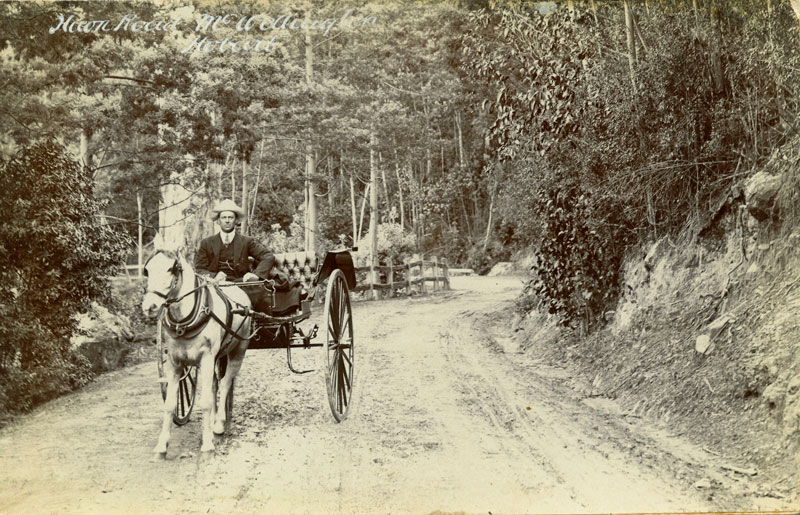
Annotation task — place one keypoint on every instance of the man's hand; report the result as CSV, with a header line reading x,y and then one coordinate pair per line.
x,y
250,277
220,276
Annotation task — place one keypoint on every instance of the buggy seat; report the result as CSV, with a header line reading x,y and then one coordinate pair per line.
x,y
293,273
299,266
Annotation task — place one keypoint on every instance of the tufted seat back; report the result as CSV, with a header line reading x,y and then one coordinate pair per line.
x,y
299,265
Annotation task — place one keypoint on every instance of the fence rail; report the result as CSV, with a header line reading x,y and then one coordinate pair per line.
x,y
408,277
391,278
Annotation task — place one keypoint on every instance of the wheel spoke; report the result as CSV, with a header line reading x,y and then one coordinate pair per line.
x,y
346,357
332,368
341,306
334,319
181,407
343,327
332,333
344,382
340,390
345,375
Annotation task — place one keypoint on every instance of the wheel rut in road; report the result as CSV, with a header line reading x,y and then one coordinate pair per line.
x,y
446,416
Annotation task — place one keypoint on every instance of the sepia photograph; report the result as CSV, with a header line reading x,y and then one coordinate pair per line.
x,y
400,257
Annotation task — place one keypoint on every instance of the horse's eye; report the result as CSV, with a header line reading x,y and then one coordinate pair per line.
x,y
144,272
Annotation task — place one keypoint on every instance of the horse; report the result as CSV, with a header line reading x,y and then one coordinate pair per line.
x,y
200,327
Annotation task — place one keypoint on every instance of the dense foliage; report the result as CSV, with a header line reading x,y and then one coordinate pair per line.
x,y
466,130
56,257
603,143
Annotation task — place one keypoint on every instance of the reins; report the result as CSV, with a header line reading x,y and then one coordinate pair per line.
x,y
179,327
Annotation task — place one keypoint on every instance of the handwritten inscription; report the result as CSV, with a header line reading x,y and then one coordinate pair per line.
x,y
128,22
204,23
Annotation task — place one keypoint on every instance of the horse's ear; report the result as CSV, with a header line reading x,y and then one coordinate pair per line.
x,y
180,244
158,242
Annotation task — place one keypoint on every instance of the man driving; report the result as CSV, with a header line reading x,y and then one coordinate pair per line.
x,y
224,256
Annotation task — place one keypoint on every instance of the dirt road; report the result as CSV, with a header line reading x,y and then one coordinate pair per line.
x,y
447,416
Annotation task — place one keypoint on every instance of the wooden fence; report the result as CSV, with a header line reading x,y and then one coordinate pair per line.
x,y
391,279
419,276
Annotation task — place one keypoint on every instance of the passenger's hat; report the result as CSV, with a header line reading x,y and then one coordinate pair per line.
x,y
226,205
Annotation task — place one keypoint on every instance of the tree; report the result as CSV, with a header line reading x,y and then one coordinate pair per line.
x,y
56,257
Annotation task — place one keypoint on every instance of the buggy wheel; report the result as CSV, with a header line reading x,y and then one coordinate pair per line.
x,y
219,373
338,346
187,386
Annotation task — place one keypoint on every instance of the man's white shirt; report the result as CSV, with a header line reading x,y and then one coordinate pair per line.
x,y
227,237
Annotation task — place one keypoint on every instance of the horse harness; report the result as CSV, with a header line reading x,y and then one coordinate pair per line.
x,y
202,311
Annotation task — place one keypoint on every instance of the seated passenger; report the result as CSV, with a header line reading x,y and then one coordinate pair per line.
x,y
224,256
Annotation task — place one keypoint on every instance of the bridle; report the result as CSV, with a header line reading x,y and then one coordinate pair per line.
x,y
175,270
201,312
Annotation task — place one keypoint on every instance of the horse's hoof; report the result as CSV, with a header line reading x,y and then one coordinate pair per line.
x,y
207,448
219,429
159,456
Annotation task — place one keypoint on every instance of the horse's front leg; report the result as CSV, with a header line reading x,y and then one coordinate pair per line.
x,y
207,401
226,385
172,374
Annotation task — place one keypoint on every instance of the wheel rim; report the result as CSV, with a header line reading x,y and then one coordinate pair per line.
x,y
187,385
339,346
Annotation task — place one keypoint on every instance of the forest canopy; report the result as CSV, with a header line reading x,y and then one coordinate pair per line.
x,y
577,129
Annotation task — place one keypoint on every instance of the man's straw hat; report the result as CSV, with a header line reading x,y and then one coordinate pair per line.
x,y
226,205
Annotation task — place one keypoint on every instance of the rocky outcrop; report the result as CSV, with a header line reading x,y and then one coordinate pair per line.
x,y
760,193
103,338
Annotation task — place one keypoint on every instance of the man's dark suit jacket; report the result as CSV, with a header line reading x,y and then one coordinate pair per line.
x,y
206,262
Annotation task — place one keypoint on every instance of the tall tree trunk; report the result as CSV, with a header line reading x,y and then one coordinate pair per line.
x,y
86,156
373,204
489,223
311,203
399,191
172,221
353,210
387,199
311,187
244,226
461,159
233,180
631,41
363,210
252,209
140,223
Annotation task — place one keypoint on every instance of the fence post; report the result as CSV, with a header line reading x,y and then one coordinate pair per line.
x,y
371,280
408,279
423,289
390,278
446,274
435,273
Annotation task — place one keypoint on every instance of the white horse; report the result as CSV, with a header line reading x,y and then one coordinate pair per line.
x,y
200,329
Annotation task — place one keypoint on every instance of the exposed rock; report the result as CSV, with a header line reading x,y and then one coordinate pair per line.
x,y
102,337
502,268
711,331
760,192
714,328
702,343
703,484
775,394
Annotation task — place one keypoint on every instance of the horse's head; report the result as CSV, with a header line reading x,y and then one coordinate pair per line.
x,y
163,271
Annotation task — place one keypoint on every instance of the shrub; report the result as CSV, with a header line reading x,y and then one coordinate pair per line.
x,y
56,258
577,268
393,243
